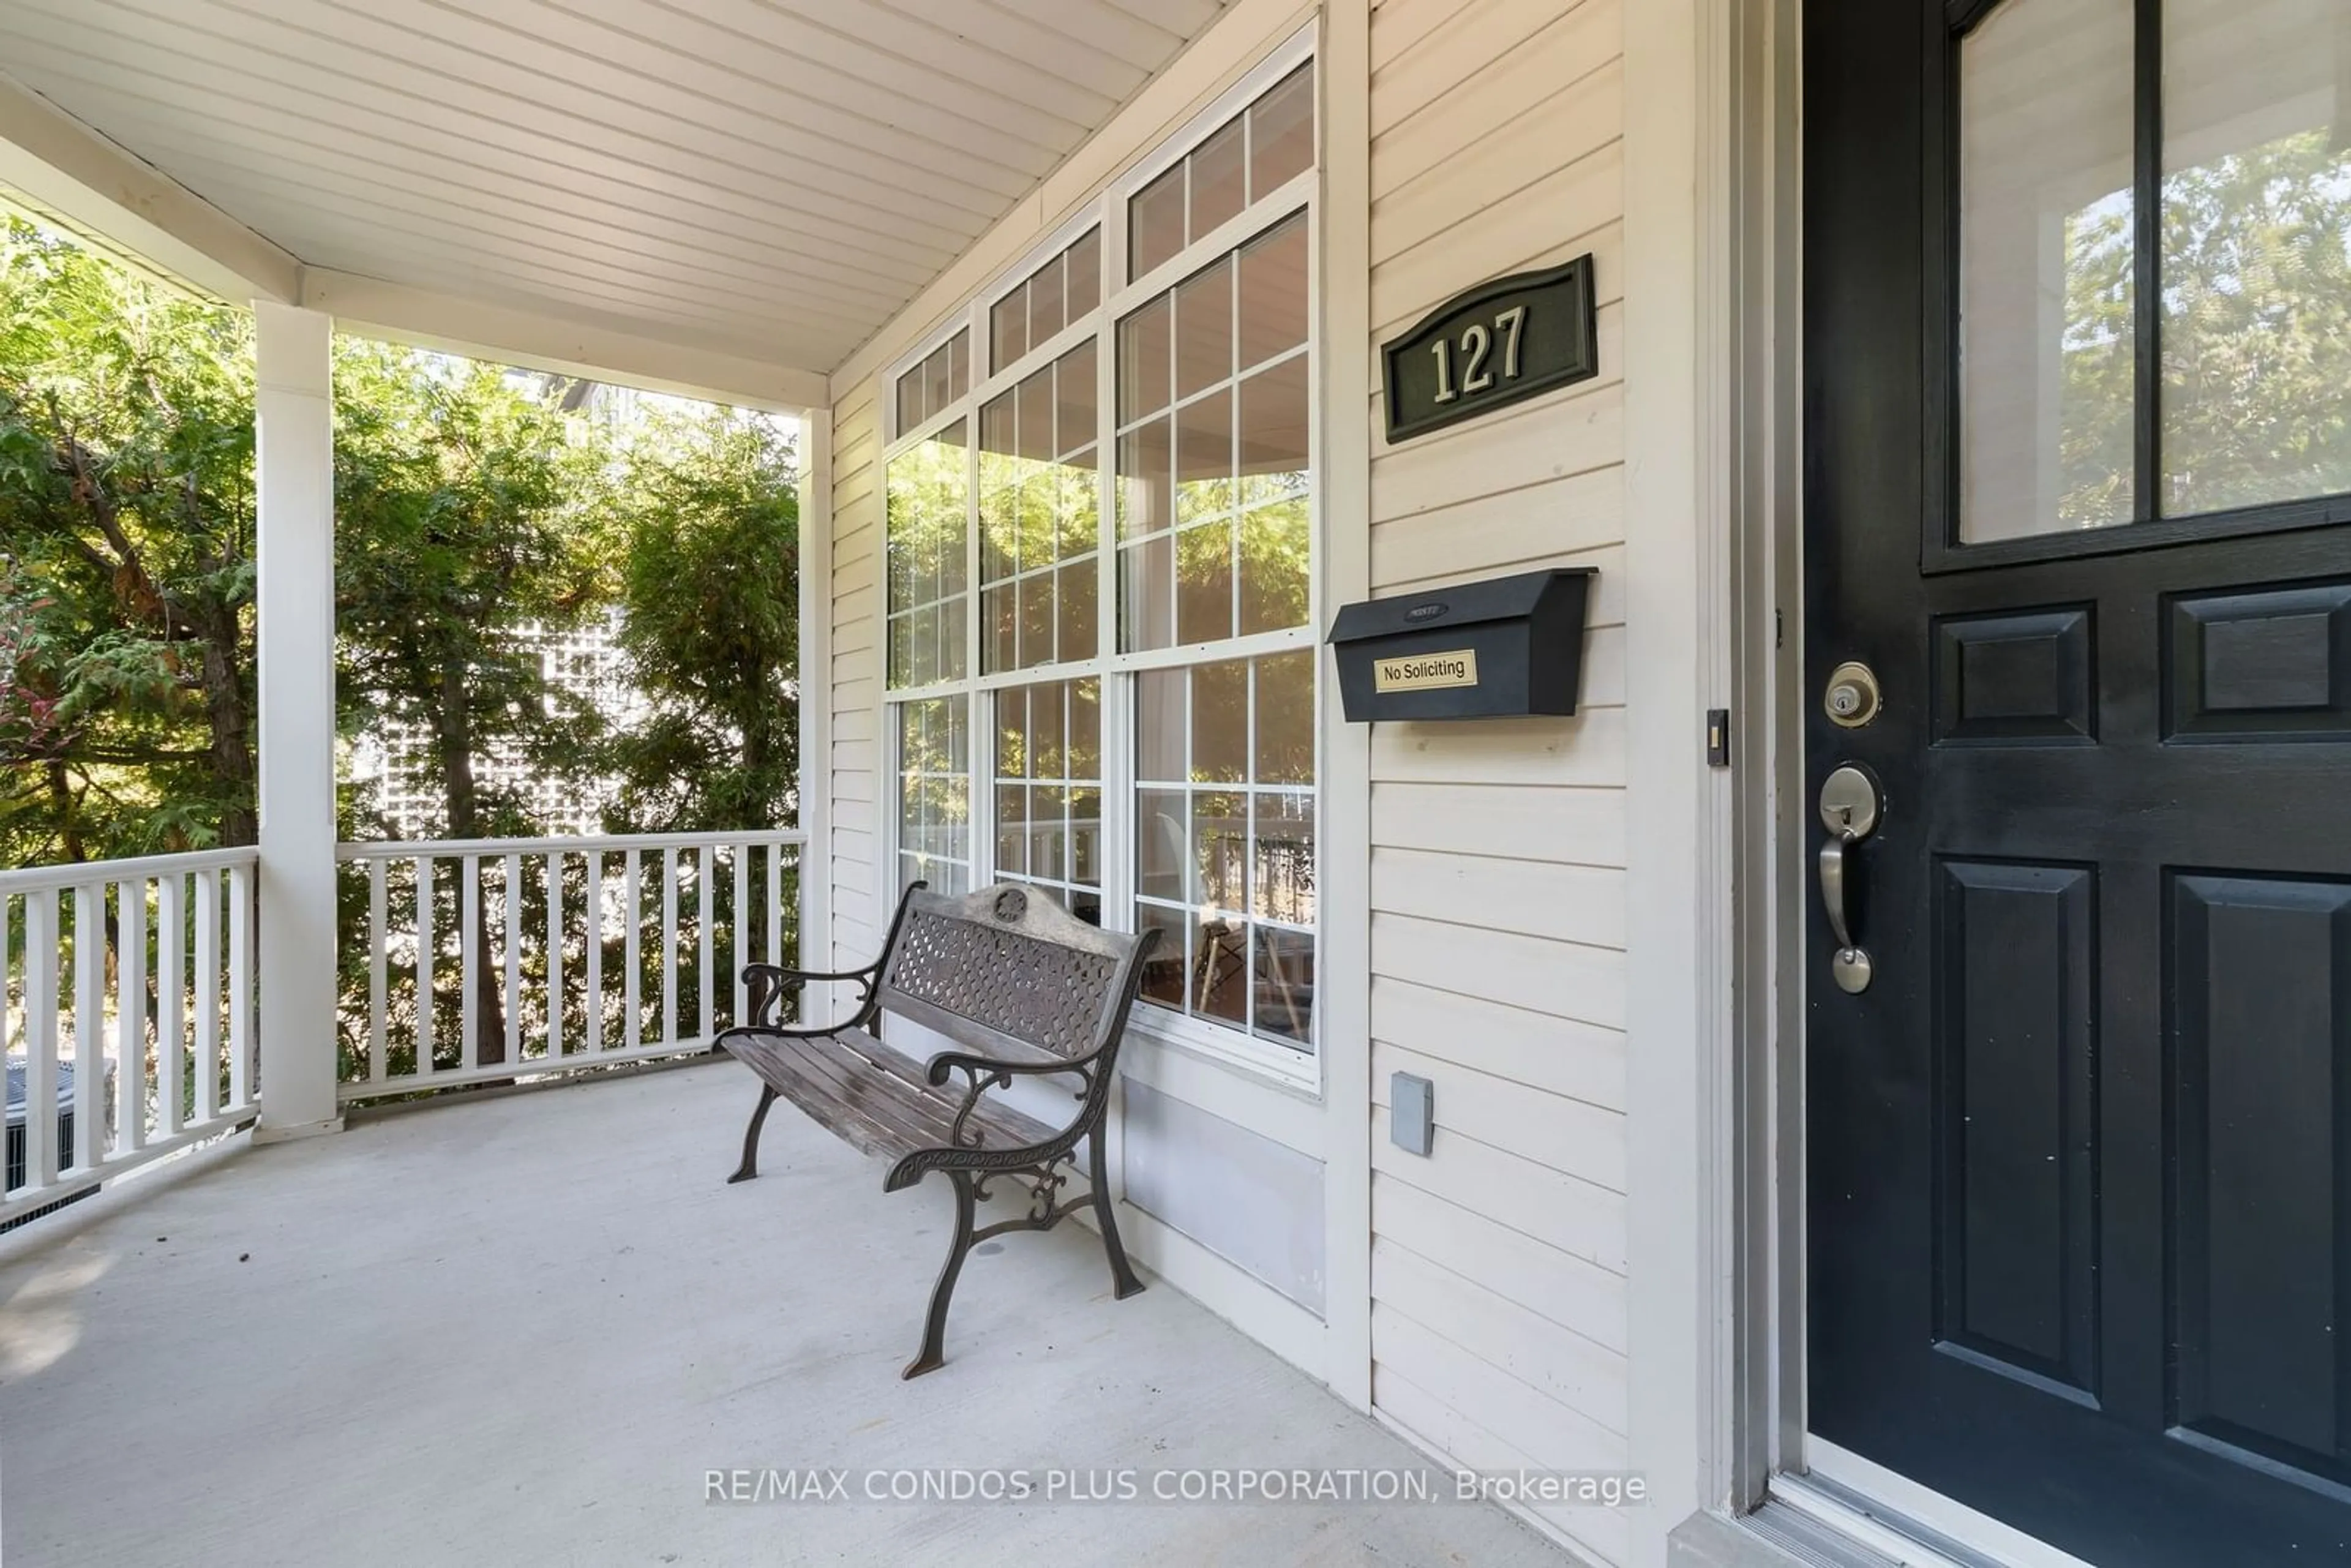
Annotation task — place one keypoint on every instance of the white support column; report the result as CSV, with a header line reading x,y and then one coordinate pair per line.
x,y
816,704
296,555
1345,544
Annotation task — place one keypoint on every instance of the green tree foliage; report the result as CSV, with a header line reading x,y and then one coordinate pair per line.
x,y
2257,327
709,587
2256,334
126,562
467,510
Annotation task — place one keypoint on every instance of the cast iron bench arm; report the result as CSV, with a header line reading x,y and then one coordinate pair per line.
x,y
771,983
987,1072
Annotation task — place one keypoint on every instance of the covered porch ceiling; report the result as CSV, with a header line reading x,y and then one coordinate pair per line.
x,y
727,196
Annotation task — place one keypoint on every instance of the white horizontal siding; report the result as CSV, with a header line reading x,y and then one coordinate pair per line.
x,y
1498,855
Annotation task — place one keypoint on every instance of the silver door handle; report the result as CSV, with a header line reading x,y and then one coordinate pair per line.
x,y
1850,806
1832,887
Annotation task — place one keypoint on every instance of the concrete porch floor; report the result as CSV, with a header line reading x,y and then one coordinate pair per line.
x,y
520,1330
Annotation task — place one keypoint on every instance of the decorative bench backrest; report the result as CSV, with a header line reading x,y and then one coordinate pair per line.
x,y
1007,972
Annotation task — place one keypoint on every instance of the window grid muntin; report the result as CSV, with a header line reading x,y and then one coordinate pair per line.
x,y
1078,563
931,741
2150,522
1195,914
1297,196
1256,185
1068,265
1074,891
943,613
932,385
1234,510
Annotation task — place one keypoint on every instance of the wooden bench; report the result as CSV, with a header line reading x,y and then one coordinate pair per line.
x,y
1029,991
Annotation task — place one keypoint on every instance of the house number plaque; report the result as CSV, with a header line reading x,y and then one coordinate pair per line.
x,y
1501,342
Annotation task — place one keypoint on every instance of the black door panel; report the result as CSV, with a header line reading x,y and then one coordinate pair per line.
x,y
2079,1159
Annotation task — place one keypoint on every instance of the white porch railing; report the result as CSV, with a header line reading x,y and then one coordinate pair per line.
x,y
499,958
127,1010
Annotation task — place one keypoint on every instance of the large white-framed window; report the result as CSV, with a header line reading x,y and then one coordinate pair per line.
x,y
1101,576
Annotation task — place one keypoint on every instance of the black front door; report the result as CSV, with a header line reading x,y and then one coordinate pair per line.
x,y
2077,350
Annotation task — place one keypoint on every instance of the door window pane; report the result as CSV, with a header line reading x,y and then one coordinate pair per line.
x,y
2047,344
2256,332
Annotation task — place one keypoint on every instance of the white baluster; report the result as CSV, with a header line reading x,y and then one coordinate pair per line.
x,y
706,876
669,947
555,956
595,951
240,986
775,903
633,907
208,995
379,962
513,903
171,997
40,1040
89,1024
424,940
742,856
469,962
130,1017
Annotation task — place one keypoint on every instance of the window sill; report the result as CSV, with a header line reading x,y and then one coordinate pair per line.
x,y
1295,1072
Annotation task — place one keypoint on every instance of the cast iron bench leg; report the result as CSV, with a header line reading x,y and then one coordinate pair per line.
x,y
935,1331
750,1165
1120,1272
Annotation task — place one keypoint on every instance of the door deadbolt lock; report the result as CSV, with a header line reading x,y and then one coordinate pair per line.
x,y
1853,698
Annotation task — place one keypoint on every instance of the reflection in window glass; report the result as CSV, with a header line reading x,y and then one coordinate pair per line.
x,y
1220,178
1039,518
1281,133
928,530
1061,291
1155,222
1230,470
1224,856
1245,160
2256,332
2046,350
935,793
928,389
1273,294
1049,792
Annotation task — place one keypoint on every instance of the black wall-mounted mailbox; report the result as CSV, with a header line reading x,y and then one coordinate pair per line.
x,y
1503,648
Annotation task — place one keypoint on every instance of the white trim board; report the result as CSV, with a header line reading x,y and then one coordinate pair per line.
x,y
535,340
70,171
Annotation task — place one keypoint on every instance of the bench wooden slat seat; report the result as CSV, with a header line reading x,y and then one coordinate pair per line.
x,y
1028,991
872,1098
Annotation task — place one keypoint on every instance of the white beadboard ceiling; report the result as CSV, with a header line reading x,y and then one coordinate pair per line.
x,y
767,179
